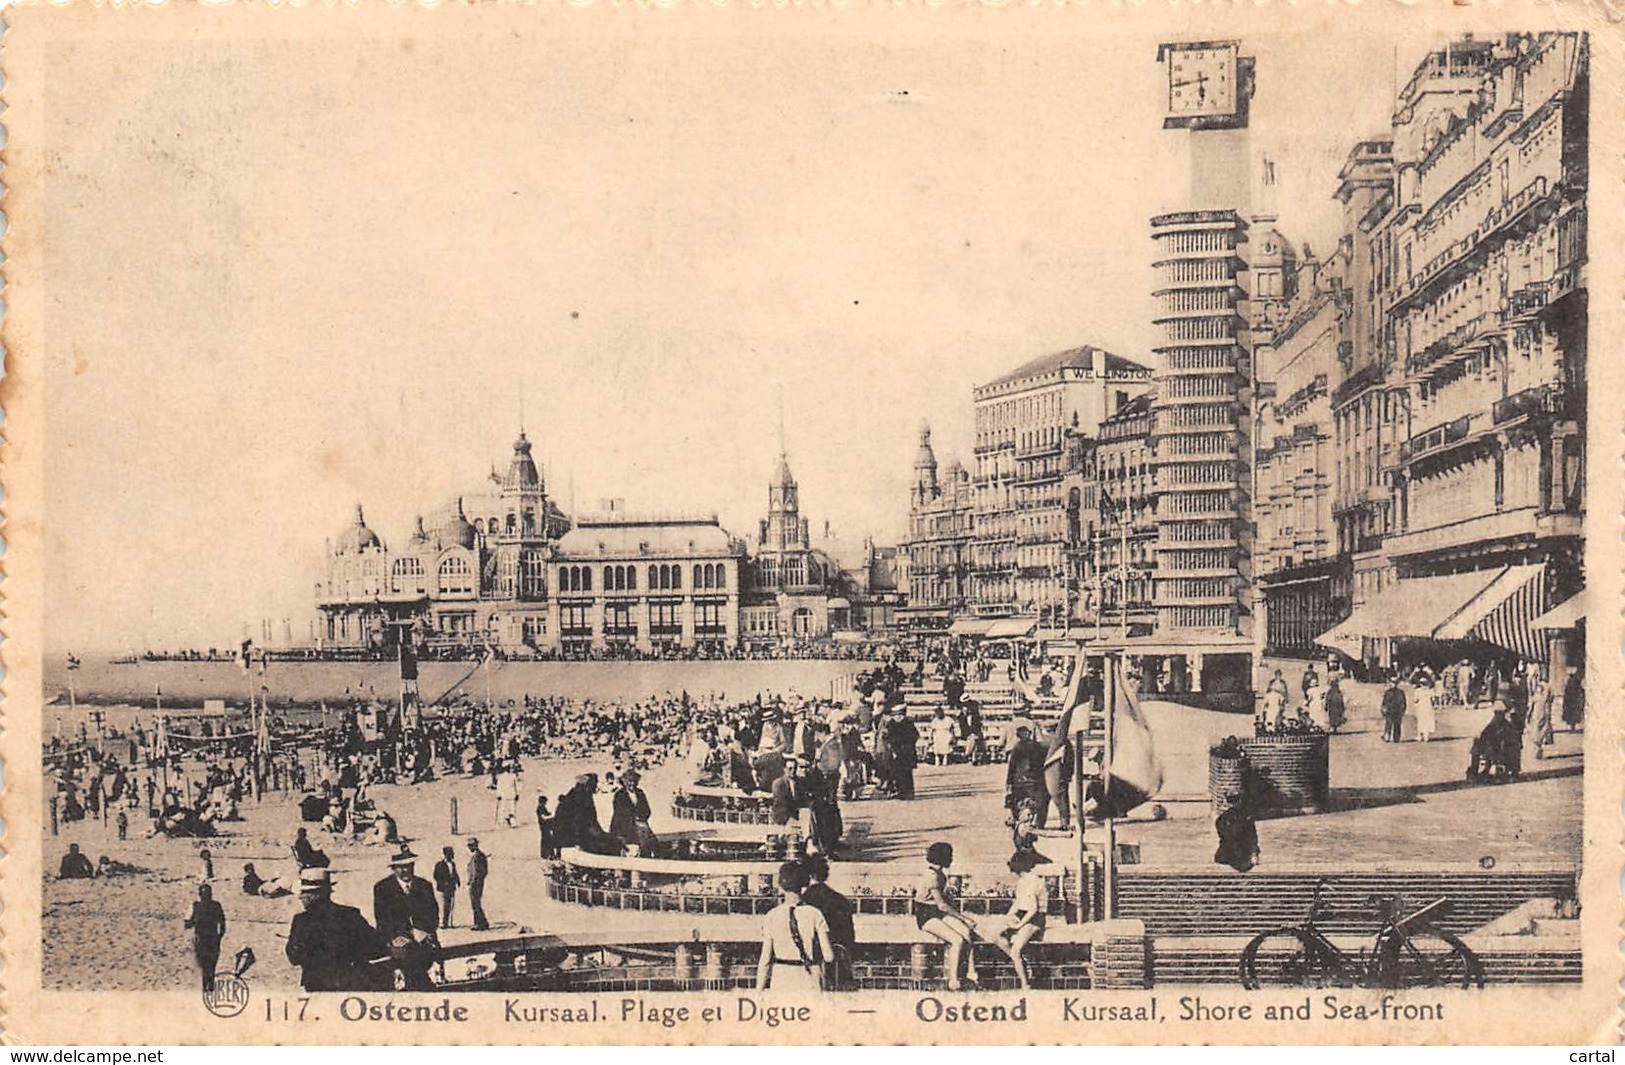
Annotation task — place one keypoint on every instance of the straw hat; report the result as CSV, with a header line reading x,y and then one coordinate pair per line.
x,y
315,880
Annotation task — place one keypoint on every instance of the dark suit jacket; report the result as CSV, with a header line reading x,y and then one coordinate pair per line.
x,y
208,921
837,910
397,912
630,808
1026,766
786,801
332,945
445,876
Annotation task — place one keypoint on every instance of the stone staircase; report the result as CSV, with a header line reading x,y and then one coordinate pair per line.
x,y
1223,903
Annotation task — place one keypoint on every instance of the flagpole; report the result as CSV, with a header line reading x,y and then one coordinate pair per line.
x,y
1076,739
1122,562
1112,679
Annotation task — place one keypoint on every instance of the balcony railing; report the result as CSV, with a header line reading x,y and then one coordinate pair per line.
x,y
1530,300
1542,399
1460,250
1436,439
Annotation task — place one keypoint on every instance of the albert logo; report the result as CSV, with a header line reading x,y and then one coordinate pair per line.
x,y
229,996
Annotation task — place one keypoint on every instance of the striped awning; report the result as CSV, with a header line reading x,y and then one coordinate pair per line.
x,y
1414,607
1005,628
1502,612
969,627
1496,606
1565,615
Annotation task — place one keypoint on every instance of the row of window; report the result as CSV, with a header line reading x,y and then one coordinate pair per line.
x,y
707,576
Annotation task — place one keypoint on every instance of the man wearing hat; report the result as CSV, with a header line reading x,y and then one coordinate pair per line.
x,y
1024,775
629,820
404,909
446,882
902,740
478,868
786,792
332,944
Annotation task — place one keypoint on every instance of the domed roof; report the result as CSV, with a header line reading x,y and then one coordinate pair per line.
x,y
522,473
357,537
457,531
1273,248
925,458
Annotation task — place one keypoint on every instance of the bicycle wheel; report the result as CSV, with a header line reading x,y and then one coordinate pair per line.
x,y
1429,957
1289,957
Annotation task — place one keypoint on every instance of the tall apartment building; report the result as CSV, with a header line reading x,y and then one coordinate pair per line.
x,y
1367,402
1199,434
1300,574
938,547
1111,491
1475,357
1018,547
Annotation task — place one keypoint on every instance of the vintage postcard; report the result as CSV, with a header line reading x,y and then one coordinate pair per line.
x,y
736,523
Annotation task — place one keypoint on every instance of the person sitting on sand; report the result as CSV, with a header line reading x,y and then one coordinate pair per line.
x,y
106,866
306,854
254,884
75,866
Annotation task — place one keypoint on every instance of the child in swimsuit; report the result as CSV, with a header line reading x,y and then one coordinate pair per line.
x,y
933,913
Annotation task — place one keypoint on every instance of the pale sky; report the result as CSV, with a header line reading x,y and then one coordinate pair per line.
x,y
289,279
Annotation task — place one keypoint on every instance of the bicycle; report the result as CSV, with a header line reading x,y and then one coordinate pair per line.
x,y
1406,952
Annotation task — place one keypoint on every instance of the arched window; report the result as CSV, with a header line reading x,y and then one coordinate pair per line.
x,y
677,578
631,578
406,575
456,576
654,577
533,575
722,575
492,526
612,579
698,583
513,523
586,579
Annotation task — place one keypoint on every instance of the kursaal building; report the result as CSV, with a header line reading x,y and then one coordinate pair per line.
x,y
504,567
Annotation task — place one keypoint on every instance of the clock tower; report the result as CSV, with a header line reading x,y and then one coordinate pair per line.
x,y
1201,435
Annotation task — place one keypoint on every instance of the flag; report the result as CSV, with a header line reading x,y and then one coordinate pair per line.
x,y
1070,721
1106,503
409,661
1133,772
247,661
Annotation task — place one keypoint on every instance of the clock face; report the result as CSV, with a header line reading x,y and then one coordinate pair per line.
x,y
1201,81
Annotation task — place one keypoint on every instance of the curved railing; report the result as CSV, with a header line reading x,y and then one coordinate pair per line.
x,y
746,888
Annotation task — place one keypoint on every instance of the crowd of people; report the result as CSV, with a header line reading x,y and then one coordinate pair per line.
x,y
1322,706
807,755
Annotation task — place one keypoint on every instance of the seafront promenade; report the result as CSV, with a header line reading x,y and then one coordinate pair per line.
x,y
1393,806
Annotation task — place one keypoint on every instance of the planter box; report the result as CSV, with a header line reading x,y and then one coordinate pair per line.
x,y
1296,769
